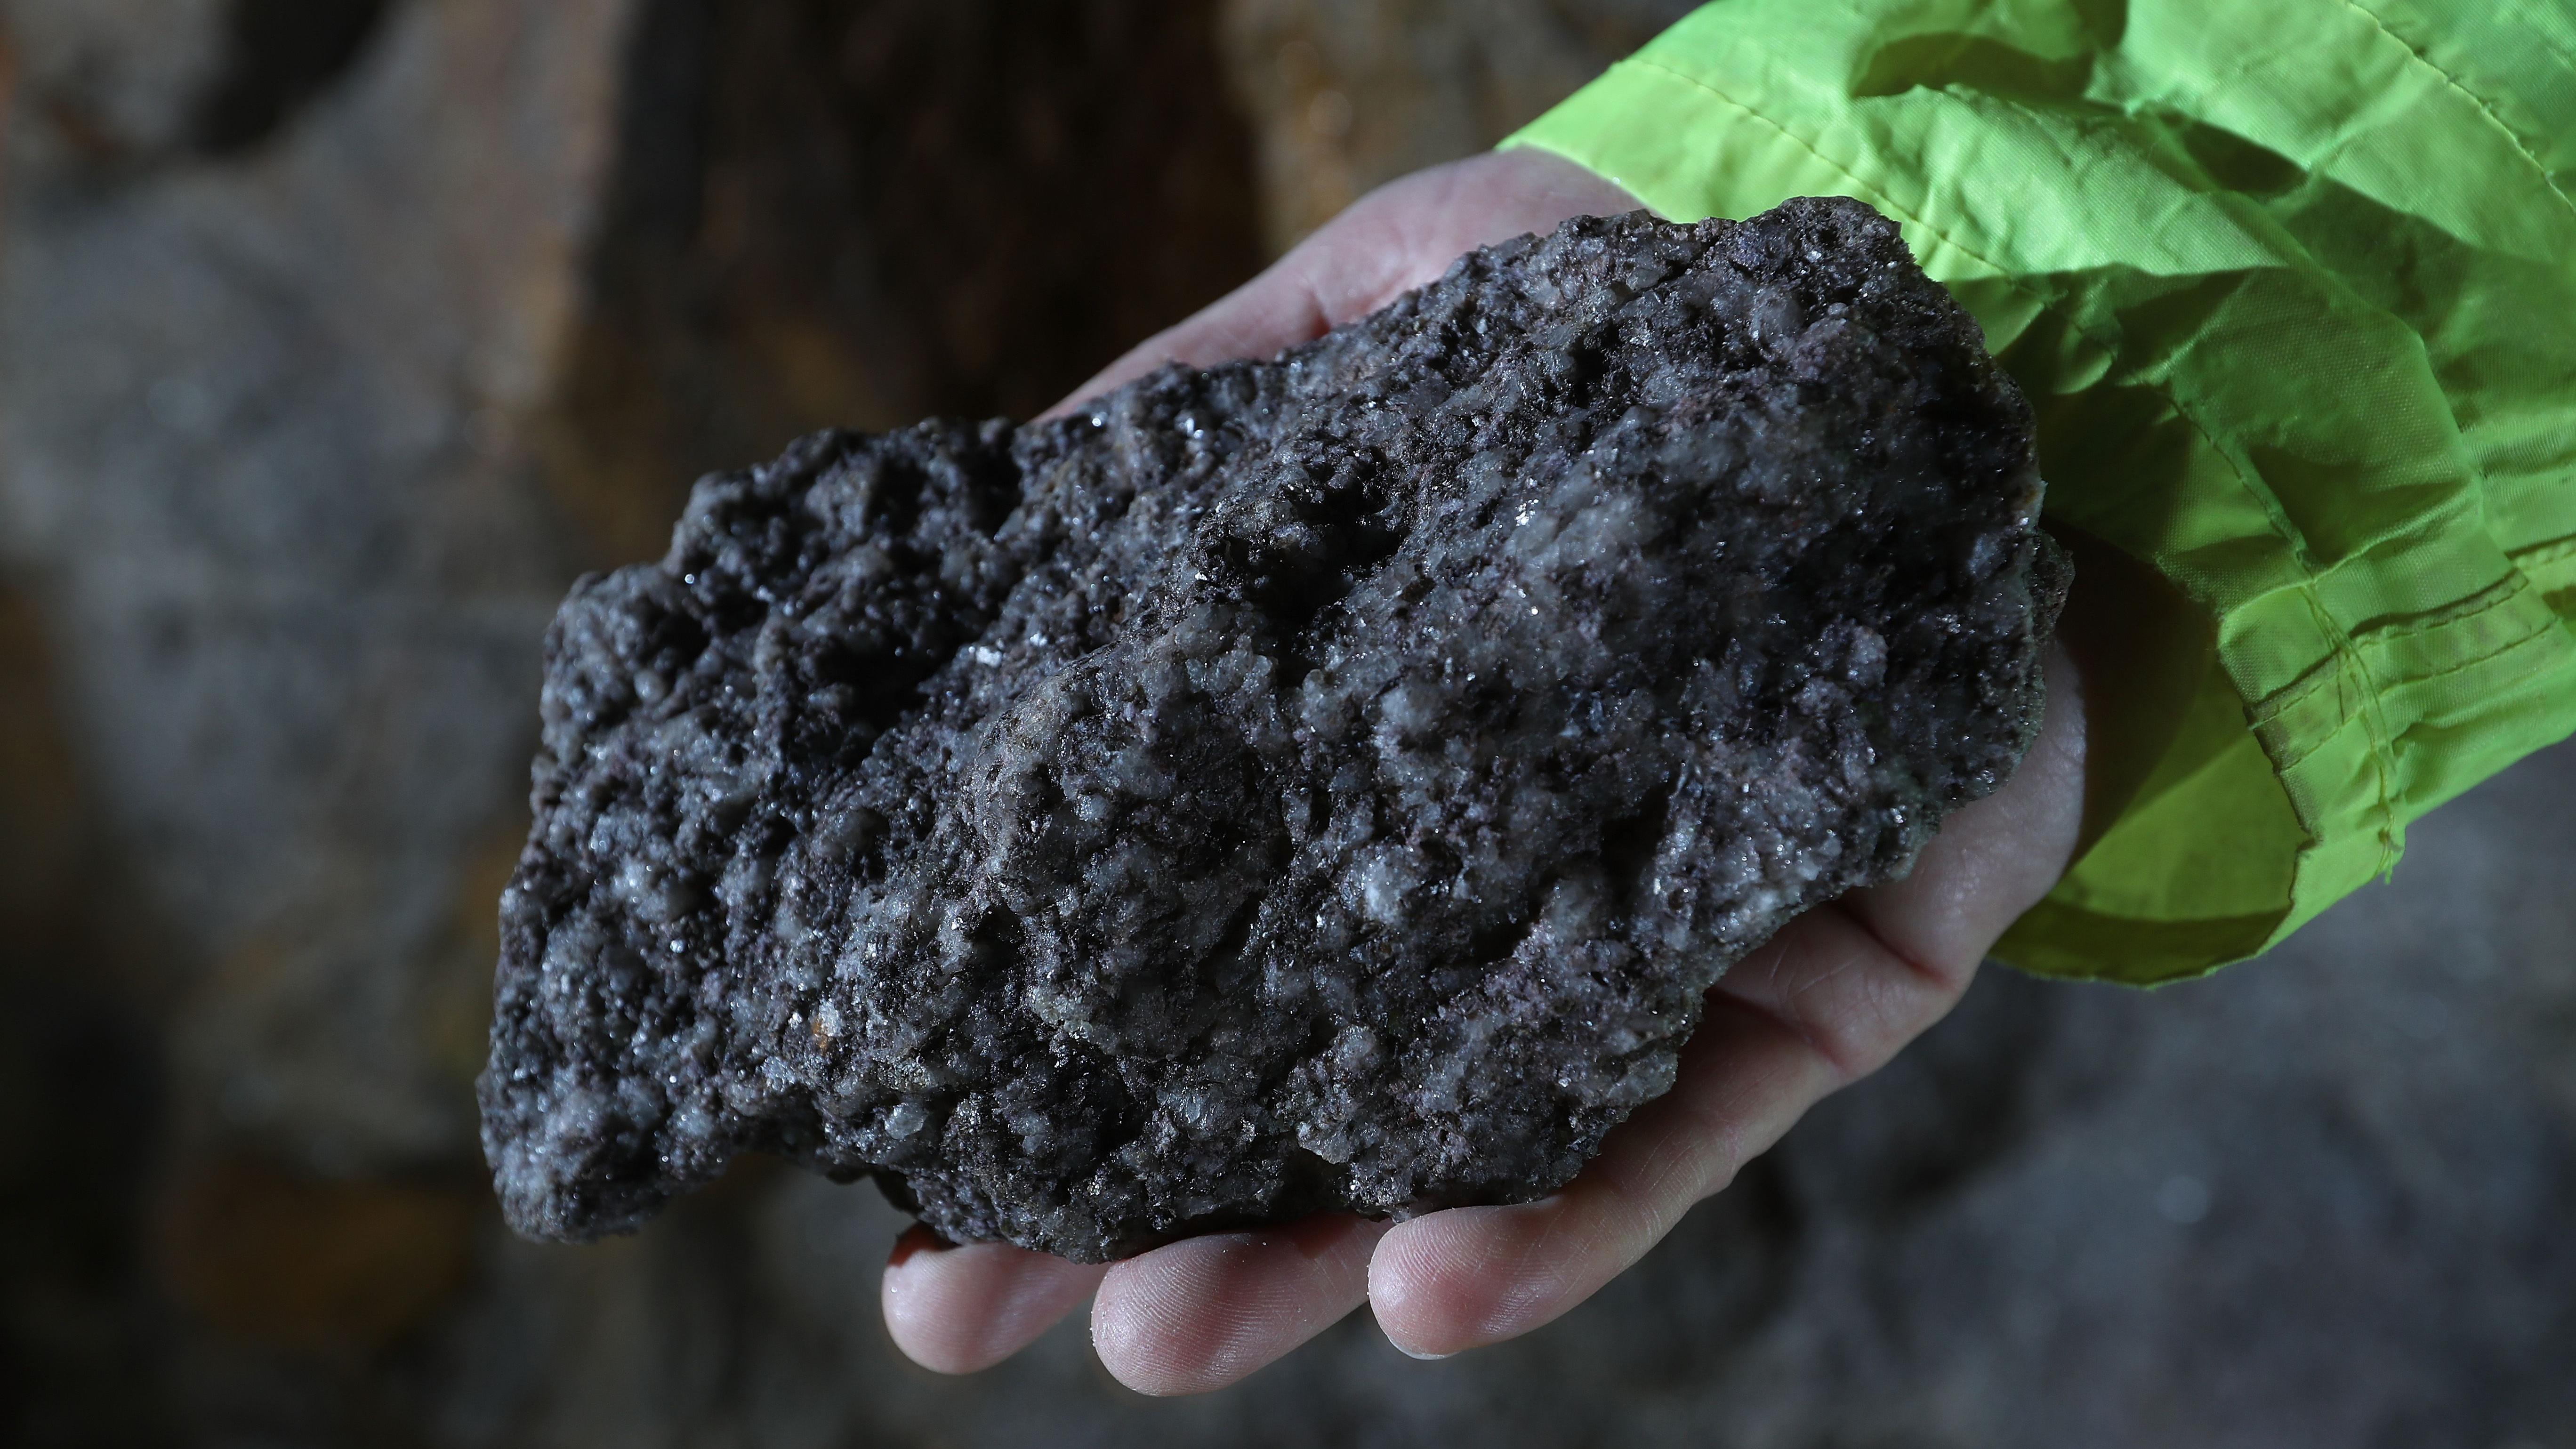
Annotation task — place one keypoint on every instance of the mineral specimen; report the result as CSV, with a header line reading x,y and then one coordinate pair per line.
x,y
1325,783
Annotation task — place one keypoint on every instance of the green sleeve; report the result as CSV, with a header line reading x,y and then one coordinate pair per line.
x,y
2292,289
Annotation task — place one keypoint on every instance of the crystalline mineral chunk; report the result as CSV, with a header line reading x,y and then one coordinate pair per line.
x,y
1322,783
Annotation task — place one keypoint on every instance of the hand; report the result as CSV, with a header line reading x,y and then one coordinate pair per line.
x,y
1829,1000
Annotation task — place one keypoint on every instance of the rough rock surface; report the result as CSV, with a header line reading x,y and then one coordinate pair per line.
x,y
1322,783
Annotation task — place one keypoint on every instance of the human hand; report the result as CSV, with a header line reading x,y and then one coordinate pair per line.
x,y
1825,1003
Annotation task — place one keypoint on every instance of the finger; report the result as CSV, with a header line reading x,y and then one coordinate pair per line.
x,y
1200,1313
1996,858
955,1310
1396,238
1467,1277
1826,1002
1860,978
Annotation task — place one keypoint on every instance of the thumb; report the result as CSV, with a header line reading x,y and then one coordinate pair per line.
x,y
1396,238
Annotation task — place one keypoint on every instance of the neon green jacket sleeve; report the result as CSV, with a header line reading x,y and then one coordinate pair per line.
x,y
2292,288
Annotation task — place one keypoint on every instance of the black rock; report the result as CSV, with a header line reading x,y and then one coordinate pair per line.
x,y
1323,783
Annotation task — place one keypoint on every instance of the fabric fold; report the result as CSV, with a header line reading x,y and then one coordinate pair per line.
x,y
2293,291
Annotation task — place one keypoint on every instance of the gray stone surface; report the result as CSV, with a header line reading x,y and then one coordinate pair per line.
x,y
260,796
1321,784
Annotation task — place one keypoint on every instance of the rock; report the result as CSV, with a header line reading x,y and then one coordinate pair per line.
x,y
1320,784
1970,1248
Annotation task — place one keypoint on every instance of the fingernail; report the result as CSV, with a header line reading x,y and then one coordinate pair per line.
x,y
916,1239
1417,1353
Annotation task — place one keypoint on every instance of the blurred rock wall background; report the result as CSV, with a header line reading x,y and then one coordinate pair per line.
x,y
338,336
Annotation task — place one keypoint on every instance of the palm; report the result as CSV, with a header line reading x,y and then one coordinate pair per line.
x,y
1826,1002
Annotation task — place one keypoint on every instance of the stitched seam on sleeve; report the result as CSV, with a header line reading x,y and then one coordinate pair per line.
x,y
2287,763
2528,637
2291,696
2497,595
2411,681
2480,103
2541,554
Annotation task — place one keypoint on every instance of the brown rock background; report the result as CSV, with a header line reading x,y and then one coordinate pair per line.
x,y
336,336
